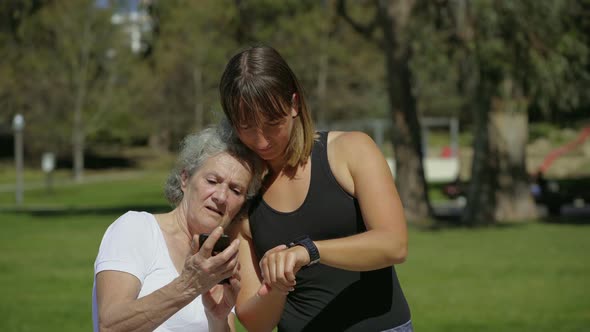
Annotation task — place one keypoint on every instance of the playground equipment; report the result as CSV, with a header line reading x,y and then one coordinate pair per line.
x,y
545,191
548,192
553,155
444,167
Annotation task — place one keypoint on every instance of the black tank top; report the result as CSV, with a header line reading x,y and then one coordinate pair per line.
x,y
327,298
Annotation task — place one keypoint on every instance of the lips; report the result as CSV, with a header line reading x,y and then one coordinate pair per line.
x,y
211,208
264,151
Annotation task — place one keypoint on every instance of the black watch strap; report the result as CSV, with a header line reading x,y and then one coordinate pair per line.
x,y
312,250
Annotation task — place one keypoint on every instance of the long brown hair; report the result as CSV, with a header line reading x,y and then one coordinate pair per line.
x,y
258,84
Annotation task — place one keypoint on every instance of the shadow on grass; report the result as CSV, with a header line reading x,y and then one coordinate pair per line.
x,y
568,220
98,161
449,216
560,201
89,210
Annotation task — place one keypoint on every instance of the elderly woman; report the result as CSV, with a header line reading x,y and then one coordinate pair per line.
x,y
151,272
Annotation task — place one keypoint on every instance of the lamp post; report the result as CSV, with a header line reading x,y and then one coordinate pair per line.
x,y
18,124
47,165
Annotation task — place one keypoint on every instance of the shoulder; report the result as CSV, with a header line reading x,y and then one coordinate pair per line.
x,y
348,151
133,222
349,145
357,153
348,139
132,228
130,244
137,217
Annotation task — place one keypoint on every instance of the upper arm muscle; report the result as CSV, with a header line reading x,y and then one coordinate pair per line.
x,y
361,169
113,287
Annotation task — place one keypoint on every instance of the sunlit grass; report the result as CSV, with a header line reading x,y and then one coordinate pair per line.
x,y
47,266
115,189
530,277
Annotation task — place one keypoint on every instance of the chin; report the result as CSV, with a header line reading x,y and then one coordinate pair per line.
x,y
209,224
224,223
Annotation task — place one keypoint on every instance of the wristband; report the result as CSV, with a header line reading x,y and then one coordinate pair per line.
x,y
312,250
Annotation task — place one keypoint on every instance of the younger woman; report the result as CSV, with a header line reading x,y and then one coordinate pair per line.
x,y
318,250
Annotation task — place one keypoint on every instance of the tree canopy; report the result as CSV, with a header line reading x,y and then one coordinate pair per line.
x,y
77,73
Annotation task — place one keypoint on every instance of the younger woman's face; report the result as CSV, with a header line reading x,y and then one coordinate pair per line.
x,y
270,139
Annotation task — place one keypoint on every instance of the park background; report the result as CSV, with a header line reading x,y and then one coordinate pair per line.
x,y
108,88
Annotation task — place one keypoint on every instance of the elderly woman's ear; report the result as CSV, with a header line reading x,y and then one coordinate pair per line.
x,y
183,180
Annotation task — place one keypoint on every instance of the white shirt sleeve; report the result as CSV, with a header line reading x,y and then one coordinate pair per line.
x,y
128,246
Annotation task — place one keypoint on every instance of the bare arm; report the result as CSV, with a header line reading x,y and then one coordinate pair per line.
x,y
222,298
361,169
258,308
119,309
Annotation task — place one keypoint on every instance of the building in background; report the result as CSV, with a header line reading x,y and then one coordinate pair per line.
x,y
136,19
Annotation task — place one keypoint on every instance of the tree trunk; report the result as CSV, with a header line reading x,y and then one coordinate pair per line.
x,y
160,142
81,88
322,79
513,195
481,198
199,95
243,32
78,131
410,180
78,154
322,74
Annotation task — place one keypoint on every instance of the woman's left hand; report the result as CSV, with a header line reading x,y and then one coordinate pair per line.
x,y
221,298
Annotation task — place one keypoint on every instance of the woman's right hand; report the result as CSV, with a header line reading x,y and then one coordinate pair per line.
x,y
202,270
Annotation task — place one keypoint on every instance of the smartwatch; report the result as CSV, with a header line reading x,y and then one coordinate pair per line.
x,y
307,243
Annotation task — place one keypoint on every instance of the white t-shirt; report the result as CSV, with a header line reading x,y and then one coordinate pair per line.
x,y
135,244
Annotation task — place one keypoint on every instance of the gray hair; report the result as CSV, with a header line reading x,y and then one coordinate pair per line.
x,y
197,148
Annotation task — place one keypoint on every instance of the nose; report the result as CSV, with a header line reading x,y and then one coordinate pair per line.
x,y
260,139
220,194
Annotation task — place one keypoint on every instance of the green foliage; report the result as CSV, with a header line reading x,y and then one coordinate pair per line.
x,y
523,53
540,47
304,33
190,51
543,130
435,70
58,62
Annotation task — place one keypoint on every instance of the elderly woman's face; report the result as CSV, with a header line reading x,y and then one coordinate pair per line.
x,y
215,193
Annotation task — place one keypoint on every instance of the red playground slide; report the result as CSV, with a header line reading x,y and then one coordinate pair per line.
x,y
553,155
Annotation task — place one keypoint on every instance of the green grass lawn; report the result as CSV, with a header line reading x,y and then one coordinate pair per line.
x,y
115,189
530,277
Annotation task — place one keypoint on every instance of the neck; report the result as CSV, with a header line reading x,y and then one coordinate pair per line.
x,y
280,171
277,165
182,226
